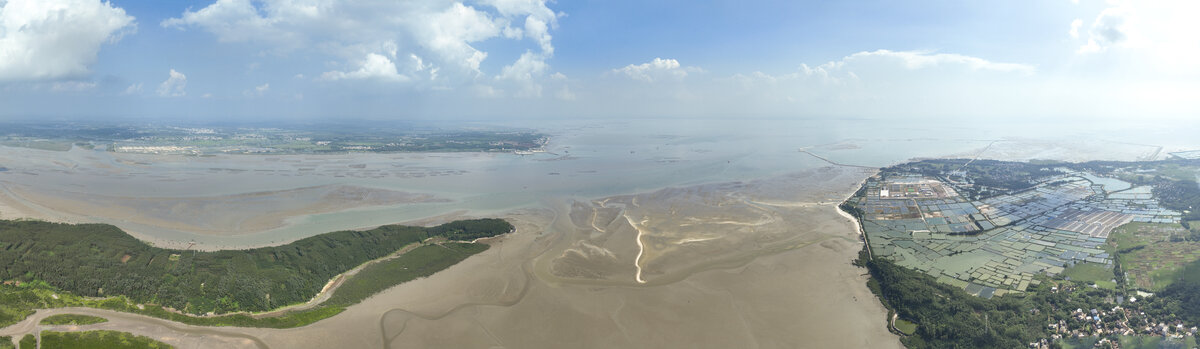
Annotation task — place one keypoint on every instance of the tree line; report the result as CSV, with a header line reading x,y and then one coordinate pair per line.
x,y
101,260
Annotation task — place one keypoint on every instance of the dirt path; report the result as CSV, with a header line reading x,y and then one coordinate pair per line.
x,y
173,333
333,285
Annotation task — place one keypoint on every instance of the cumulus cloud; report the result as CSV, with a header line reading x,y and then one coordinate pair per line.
x,y
441,35
523,72
174,85
1075,25
1154,38
42,40
1107,30
539,19
241,21
656,70
133,89
374,66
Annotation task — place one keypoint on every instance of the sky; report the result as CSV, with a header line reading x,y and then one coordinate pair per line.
x,y
537,59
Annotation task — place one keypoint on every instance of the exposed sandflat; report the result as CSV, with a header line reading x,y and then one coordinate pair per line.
x,y
794,289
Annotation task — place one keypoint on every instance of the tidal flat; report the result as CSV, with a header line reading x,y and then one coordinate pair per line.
x,y
629,234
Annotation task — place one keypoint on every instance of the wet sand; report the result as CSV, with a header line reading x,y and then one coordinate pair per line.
x,y
787,283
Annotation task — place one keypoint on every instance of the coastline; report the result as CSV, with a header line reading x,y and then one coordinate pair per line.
x,y
862,235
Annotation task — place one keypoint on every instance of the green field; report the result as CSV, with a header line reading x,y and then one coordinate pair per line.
x,y
72,319
906,327
1093,273
1127,237
98,339
1152,253
1155,342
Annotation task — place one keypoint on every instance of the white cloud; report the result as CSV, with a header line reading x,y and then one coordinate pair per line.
x,y
419,65
258,91
441,34
1075,25
539,19
914,60
656,70
239,21
450,33
1107,30
1150,38
42,40
524,73
133,89
886,66
174,86
374,66
879,82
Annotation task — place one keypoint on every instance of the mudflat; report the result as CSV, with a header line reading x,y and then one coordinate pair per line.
x,y
773,271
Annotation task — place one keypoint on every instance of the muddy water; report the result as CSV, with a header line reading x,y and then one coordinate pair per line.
x,y
228,201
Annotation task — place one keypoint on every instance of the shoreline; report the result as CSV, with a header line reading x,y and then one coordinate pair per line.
x,y
862,235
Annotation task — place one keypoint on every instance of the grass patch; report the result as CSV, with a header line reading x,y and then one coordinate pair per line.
x,y
1155,342
906,327
1126,237
72,319
6,342
28,342
1078,343
1152,253
98,339
1092,273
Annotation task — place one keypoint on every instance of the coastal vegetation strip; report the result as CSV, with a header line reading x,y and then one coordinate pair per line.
x,y
98,339
420,262
72,319
52,265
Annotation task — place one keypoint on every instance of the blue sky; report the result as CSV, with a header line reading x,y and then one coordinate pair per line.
x,y
440,59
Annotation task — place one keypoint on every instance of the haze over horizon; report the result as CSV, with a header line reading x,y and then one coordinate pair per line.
x,y
506,59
